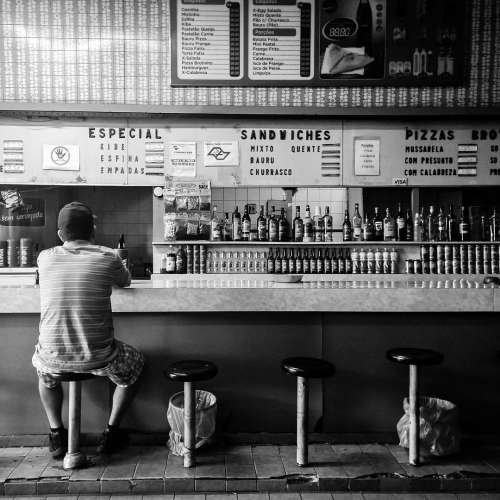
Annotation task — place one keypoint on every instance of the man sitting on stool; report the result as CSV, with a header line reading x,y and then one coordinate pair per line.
x,y
76,325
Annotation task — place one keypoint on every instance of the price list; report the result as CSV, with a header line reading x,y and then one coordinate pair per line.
x,y
209,40
280,40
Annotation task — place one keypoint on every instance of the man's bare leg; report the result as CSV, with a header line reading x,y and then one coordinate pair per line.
x,y
122,397
52,400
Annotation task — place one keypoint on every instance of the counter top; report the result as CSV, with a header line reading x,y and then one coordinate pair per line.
x,y
264,295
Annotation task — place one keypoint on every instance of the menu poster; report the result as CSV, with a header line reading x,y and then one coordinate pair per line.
x,y
319,42
31,213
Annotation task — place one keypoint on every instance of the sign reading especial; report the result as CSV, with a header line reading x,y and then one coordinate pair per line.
x,y
318,42
290,156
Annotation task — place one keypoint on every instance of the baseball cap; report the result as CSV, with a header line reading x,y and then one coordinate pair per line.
x,y
76,220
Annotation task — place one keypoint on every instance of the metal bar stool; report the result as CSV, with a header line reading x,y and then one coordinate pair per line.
x,y
74,458
190,371
414,358
304,369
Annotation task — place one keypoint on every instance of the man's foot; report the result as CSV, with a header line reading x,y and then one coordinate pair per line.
x,y
58,443
112,440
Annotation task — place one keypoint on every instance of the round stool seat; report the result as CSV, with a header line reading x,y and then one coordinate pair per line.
x,y
72,376
308,367
414,356
191,370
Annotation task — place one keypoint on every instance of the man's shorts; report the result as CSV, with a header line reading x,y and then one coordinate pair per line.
x,y
123,371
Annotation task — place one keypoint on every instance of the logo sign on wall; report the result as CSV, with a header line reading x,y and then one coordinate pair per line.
x,y
61,157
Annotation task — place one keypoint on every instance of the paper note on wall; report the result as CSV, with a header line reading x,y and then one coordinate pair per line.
x,y
61,157
221,154
366,156
182,159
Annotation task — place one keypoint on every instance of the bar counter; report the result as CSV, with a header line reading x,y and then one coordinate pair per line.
x,y
247,325
314,294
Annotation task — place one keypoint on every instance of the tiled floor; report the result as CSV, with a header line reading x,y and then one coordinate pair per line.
x,y
252,468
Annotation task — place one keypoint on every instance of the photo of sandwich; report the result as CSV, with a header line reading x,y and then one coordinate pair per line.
x,y
344,60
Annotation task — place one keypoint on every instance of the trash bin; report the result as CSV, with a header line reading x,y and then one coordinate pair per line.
x,y
206,414
439,429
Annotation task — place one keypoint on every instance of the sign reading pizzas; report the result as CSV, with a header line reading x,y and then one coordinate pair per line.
x,y
318,42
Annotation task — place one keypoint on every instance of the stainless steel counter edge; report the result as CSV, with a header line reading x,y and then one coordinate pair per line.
x,y
26,300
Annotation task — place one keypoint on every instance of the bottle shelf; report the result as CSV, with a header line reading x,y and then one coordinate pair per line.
x,y
319,243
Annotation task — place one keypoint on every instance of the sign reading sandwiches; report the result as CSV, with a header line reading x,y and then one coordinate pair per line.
x,y
318,42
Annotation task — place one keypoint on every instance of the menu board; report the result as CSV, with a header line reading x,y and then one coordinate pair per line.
x,y
319,42
423,154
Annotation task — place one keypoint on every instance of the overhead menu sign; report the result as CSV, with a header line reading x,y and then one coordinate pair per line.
x,y
318,42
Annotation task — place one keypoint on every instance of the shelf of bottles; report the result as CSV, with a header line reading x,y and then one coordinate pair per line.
x,y
430,243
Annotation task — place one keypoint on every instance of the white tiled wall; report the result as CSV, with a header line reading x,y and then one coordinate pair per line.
x,y
336,198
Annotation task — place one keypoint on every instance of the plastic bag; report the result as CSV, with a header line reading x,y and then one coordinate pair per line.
x,y
206,414
439,429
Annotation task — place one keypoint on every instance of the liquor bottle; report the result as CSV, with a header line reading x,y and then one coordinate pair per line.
x,y
320,263
400,225
389,226
228,228
362,261
215,226
368,233
378,226
341,262
418,227
282,227
485,230
122,251
494,229
348,262
237,229
270,261
328,225
379,261
364,21
273,227
394,261
308,226
246,225
313,269
261,225
298,226
357,223
355,261
328,262
347,227
305,262
291,262
277,262
451,225
409,226
319,228
441,226
463,226
284,262
299,268
335,262
431,225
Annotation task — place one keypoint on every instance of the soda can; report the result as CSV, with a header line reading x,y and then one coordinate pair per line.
x,y
3,254
471,266
424,253
409,267
189,259
494,267
26,252
432,252
470,252
13,253
456,266
455,252
448,266
479,267
447,252
464,267
486,267
440,266
486,253
479,252
432,267
196,259
417,266
440,252
463,252
203,259
494,253
426,267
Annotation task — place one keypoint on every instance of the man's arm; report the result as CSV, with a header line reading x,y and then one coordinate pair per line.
x,y
121,275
